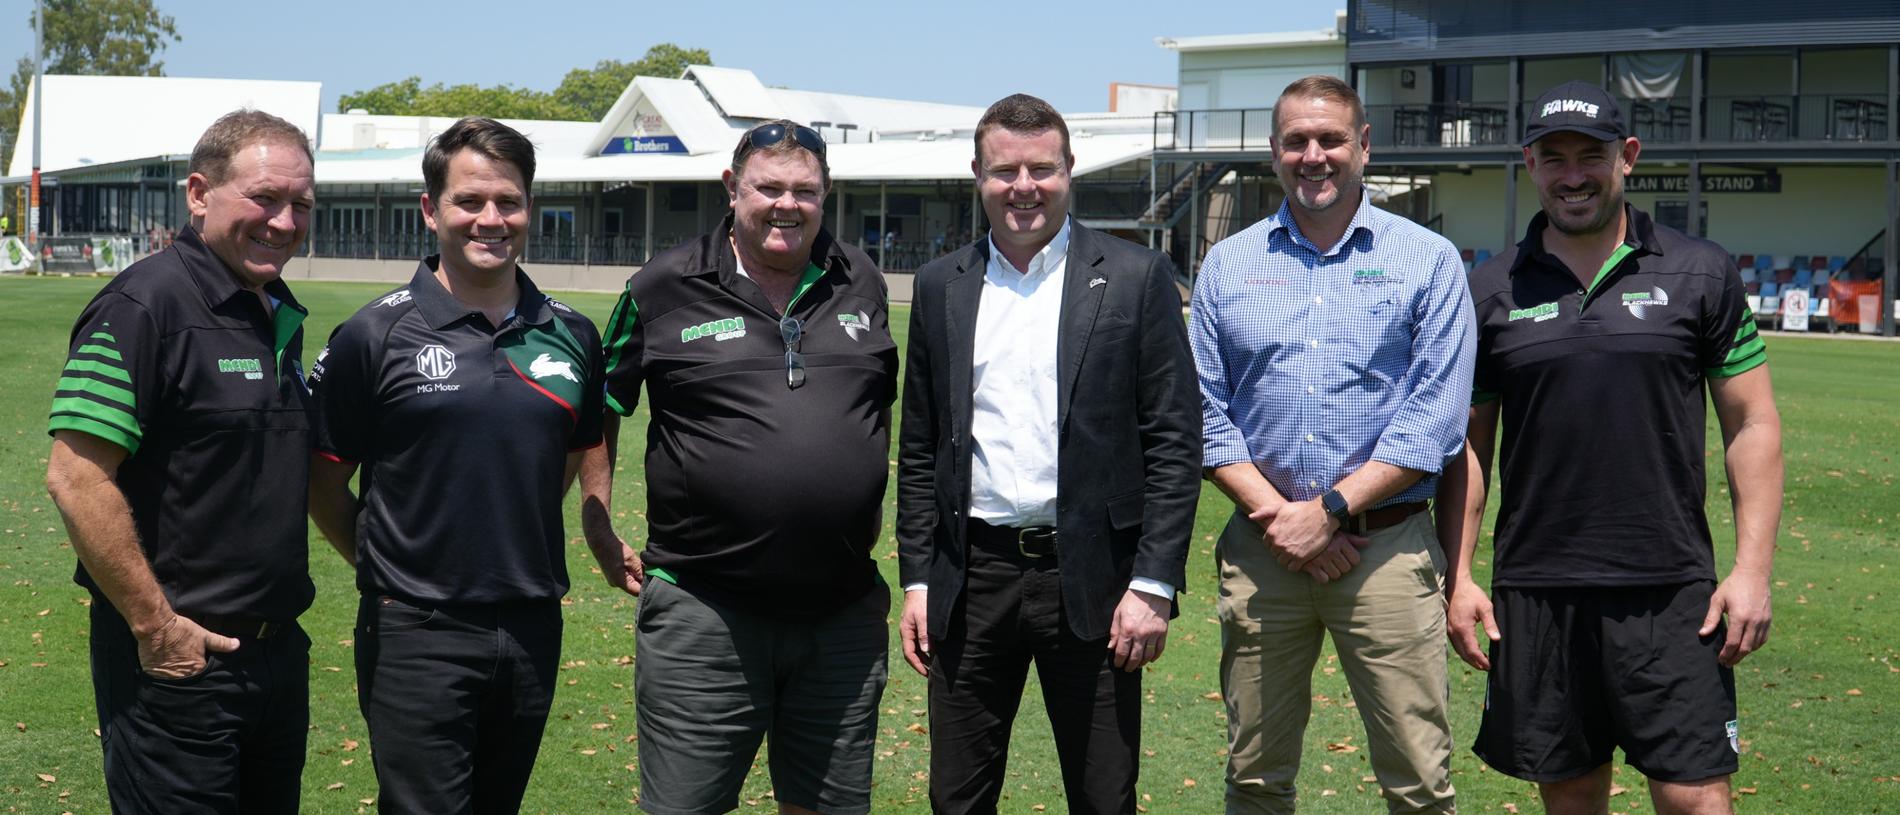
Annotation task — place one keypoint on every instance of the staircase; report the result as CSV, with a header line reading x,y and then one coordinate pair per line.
x,y
1171,205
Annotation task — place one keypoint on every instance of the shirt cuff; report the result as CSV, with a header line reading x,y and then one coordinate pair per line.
x,y
916,587
1151,586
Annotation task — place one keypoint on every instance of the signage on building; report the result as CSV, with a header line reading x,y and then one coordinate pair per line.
x,y
1711,182
643,131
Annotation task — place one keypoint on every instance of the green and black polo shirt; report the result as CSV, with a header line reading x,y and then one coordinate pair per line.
x,y
180,365
463,432
1602,388
760,495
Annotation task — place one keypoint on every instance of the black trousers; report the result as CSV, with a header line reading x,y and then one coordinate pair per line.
x,y
1010,615
227,740
456,698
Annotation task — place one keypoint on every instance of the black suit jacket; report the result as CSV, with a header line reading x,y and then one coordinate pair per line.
x,y
1129,454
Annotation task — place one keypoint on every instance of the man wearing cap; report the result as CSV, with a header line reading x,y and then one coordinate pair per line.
x,y
180,435
1598,334
1333,341
769,369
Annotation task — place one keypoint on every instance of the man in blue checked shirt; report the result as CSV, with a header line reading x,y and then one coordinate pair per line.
x,y
1334,343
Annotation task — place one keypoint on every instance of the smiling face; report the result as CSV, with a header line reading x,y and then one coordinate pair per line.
x,y
1580,179
1318,153
481,219
256,217
1023,181
778,203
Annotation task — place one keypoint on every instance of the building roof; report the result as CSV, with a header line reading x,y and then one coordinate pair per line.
x,y
93,120
1234,42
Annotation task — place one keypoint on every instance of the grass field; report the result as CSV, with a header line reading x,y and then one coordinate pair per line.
x,y
1817,706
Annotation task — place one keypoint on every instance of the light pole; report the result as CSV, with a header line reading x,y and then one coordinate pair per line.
x,y
39,93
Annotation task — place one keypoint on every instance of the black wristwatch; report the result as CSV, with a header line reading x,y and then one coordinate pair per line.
x,y
1335,505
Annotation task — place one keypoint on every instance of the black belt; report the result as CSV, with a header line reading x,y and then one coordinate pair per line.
x,y
1382,517
1032,542
244,628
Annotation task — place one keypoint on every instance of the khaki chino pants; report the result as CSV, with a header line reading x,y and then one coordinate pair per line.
x,y
1387,620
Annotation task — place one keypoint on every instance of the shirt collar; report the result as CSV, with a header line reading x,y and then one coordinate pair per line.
x,y
1362,219
718,259
440,308
1639,233
1044,259
215,280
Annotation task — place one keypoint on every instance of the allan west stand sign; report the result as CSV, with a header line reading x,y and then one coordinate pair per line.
x,y
1711,182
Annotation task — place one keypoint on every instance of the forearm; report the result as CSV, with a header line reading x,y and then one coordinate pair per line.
x,y
597,485
1755,484
1374,482
99,522
1250,491
1461,496
332,506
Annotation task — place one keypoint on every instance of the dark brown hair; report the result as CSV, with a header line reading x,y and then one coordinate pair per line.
x,y
1023,114
239,129
487,137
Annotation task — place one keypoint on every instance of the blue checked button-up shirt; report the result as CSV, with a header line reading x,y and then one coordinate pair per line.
x,y
1313,361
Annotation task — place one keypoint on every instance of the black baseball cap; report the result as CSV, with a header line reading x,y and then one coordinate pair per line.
x,y
1576,107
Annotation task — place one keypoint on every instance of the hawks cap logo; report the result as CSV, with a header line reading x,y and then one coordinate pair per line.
x,y
544,366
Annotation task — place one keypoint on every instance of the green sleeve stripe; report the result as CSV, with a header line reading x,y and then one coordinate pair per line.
x,y
615,406
1741,351
100,350
1479,396
94,387
87,366
97,411
620,327
1739,366
94,427
101,335
1747,329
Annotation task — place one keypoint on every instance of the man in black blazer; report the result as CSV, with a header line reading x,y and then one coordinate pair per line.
x,y
1047,476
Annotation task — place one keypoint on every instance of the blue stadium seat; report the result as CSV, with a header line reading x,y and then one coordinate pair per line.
x,y
1769,289
1481,255
1765,263
1836,263
1803,277
1749,275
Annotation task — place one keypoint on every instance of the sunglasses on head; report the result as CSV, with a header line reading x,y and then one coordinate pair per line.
x,y
767,135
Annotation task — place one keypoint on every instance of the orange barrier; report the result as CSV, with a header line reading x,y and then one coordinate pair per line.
x,y
1844,299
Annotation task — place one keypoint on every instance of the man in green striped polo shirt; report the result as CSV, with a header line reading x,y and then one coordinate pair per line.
x,y
180,438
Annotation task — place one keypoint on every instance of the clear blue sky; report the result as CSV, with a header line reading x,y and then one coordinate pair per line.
x,y
963,51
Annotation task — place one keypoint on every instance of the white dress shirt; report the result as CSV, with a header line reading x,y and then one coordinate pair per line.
x,y
1014,399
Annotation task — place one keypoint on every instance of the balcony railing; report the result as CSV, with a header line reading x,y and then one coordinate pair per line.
x,y
1459,124
1810,118
593,250
1226,129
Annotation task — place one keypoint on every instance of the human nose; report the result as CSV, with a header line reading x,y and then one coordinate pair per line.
x,y
1312,154
490,215
284,219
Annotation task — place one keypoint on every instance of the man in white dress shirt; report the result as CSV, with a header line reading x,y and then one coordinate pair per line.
x,y
1047,476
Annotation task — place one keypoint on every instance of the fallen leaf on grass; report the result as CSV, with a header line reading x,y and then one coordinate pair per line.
x,y
1853,691
1187,782
1341,747
337,786
46,777
1617,789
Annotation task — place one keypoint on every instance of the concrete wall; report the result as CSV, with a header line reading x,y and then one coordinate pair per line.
x,y
549,276
1820,210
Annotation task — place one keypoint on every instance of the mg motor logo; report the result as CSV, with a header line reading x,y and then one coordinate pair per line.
x,y
435,362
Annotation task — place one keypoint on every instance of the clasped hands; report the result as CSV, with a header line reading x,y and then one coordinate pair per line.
x,y
1303,538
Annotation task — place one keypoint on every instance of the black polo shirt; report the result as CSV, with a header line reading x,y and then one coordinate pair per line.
x,y
1601,457
463,432
760,495
184,368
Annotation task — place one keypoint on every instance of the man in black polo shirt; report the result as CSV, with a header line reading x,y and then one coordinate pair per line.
x,y
179,437
1596,338
466,398
770,369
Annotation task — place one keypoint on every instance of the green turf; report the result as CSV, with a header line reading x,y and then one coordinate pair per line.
x,y
1819,733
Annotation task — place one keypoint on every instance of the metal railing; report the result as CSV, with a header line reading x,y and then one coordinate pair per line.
x,y
1226,129
1456,124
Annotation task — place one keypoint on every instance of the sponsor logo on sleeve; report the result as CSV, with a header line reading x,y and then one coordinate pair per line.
x,y
395,298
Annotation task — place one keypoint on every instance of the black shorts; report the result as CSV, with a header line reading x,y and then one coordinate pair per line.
x,y
1583,671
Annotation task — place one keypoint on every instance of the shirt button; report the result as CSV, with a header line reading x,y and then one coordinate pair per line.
x,y
1319,299
1309,437
1316,343
1313,484
1309,388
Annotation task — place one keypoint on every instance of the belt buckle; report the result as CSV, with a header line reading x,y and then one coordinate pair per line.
x,y
1025,537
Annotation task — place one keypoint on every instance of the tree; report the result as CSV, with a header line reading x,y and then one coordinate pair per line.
x,y
593,92
88,37
585,94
